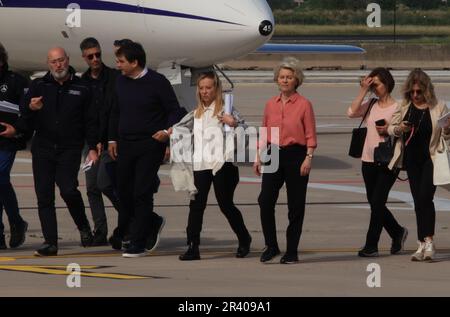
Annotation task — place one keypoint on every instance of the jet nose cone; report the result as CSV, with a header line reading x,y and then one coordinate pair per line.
x,y
266,28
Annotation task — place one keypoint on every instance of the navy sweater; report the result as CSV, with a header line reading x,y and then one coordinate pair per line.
x,y
142,107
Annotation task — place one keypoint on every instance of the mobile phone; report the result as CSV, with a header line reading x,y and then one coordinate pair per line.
x,y
380,122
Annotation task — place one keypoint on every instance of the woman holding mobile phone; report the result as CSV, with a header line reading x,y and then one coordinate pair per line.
x,y
415,123
378,179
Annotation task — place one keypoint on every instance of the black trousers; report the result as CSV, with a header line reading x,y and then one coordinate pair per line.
x,y
290,160
422,189
137,168
97,183
52,166
225,182
379,181
8,198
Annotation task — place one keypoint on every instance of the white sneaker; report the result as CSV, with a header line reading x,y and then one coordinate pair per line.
x,y
419,254
429,250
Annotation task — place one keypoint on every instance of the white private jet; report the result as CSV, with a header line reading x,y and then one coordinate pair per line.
x,y
179,35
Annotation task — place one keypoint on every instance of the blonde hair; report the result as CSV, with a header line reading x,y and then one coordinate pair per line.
x,y
419,77
292,64
217,88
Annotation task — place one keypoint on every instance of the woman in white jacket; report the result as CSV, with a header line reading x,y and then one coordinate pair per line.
x,y
210,166
415,124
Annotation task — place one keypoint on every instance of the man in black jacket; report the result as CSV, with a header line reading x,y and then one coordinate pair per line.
x,y
12,88
146,106
102,80
58,108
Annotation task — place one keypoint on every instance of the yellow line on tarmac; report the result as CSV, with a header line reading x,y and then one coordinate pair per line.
x,y
61,270
4,259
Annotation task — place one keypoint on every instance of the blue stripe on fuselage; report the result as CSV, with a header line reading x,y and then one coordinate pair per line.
x,y
102,6
309,48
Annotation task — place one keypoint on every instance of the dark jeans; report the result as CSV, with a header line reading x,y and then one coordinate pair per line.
x,y
52,166
291,158
8,199
225,182
137,169
98,182
422,189
379,181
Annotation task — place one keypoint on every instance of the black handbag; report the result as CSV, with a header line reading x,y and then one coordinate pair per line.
x,y
383,153
359,135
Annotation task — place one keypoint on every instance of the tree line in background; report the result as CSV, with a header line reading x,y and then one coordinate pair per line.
x,y
355,4
351,12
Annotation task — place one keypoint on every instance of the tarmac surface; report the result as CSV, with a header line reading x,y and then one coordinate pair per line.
x,y
336,221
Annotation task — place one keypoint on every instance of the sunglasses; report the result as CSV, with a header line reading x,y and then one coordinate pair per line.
x,y
418,92
91,56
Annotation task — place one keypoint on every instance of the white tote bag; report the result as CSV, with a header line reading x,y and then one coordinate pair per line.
x,y
441,171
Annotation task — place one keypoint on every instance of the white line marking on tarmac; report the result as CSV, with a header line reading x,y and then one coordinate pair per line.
x,y
441,204
368,207
22,160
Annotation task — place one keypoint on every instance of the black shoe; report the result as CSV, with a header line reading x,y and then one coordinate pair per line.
x,y
18,234
244,248
134,252
2,242
153,239
289,259
86,237
368,252
126,243
192,253
47,250
99,239
399,242
269,253
115,242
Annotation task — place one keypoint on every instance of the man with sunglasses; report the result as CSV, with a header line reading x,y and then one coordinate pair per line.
x,y
101,79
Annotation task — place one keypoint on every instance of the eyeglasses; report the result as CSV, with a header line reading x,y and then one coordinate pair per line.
x,y
416,91
91,56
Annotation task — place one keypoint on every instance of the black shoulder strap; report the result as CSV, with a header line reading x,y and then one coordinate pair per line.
x,y
371,103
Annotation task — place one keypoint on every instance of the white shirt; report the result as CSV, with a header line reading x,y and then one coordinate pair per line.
x,y
142,74
208,140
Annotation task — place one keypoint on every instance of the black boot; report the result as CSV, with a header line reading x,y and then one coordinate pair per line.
x,y
192,253
86,237
244,247
18,234
99,239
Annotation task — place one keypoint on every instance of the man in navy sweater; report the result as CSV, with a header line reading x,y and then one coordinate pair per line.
x,y
145,107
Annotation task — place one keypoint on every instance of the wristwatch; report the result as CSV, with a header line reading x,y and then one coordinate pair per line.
x,y
310,156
